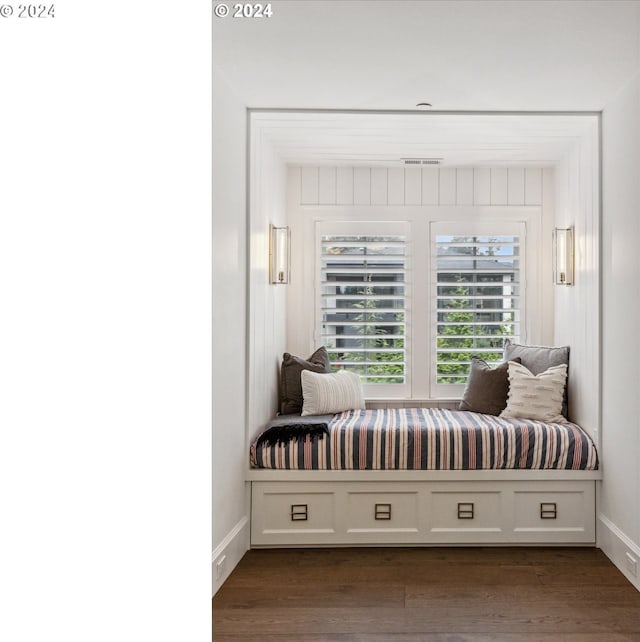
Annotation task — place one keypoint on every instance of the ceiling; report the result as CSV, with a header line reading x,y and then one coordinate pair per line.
x,y
477,56
365,138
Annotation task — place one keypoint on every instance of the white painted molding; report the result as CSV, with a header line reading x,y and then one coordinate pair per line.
x,y
615,544
232,548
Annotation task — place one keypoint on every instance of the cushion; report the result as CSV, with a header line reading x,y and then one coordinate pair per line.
x,y
487,388
290,386
537,397
538,359
334,392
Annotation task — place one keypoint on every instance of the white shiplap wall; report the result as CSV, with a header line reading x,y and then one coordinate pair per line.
x,y
577,318
444,186
267,303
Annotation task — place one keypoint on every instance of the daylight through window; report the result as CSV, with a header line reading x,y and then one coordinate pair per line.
x,y
363,305
477,302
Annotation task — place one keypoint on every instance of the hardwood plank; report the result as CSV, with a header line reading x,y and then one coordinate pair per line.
x,y
596,596
446,575
489,619
559,577
368,594
411,556
432,637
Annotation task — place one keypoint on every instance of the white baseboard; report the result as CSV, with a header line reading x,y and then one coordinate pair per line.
x,y
620,549
229,552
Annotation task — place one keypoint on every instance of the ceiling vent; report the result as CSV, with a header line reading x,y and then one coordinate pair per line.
x,y
421,161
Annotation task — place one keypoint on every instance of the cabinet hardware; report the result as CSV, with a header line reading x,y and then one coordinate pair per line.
x,y
383,511
299,512
465,510
548,510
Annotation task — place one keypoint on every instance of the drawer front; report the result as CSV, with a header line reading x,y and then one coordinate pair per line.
x,y
564,515
379,512
466,516
284,516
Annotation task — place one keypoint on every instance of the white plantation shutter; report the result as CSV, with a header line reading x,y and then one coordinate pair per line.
x,y
406,305
363,305
478,287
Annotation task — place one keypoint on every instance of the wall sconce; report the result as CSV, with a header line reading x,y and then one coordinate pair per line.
x,y
563,256
279,254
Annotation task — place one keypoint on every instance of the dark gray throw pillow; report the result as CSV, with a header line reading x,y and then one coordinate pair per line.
x,y
537,359
290,383
487,388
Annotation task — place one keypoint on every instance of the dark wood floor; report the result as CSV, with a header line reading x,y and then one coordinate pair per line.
x,y
427,595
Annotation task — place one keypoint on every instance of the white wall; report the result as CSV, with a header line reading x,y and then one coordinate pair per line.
x,y
619,502
230,507
249,320
577,307
267,302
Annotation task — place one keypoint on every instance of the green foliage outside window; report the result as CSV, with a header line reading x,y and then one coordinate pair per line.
x,y
372,361
461,338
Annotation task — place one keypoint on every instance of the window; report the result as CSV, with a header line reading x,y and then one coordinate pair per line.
x,y
477,300
407,305
363,306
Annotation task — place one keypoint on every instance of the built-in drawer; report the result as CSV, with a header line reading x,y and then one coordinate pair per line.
x,y
465,515
565,514
287,512
382,512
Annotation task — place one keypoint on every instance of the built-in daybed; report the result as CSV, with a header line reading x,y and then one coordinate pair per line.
x,y
424,475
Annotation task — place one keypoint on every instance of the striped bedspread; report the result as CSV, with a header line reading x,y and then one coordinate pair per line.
x,y
431,439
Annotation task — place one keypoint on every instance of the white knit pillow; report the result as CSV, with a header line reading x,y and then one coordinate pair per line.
x,y
326,393
537,397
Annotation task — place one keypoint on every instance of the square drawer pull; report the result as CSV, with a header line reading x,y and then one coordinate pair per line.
x,y
383,511
299,512
548,510
465,510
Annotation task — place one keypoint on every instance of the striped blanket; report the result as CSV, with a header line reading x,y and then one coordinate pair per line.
x,y
431,439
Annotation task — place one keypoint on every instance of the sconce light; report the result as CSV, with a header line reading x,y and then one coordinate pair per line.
x,y
279,254
563,256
